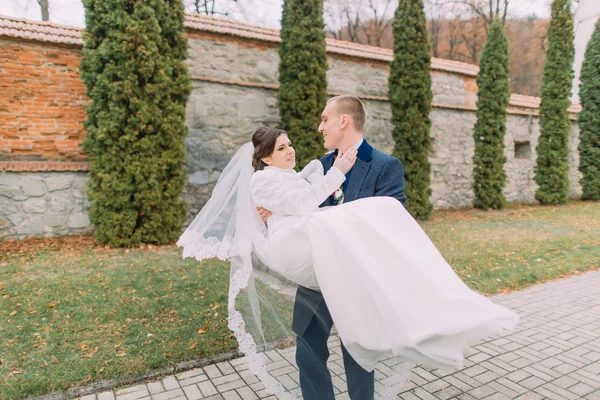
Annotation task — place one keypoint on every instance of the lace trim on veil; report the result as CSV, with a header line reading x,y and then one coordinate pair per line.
x,y
202,248
246,343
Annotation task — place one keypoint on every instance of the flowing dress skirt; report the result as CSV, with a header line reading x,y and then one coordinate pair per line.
x,y
387,287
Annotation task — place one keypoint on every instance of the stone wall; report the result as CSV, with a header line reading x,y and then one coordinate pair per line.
x,y
43,204
234,70
235,89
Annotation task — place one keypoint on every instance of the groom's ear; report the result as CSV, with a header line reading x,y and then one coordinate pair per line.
x,y
344,121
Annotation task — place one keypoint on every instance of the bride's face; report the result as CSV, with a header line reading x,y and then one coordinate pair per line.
x,y
283,156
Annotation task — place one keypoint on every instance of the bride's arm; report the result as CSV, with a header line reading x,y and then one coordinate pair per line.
x,y
286,197
313,171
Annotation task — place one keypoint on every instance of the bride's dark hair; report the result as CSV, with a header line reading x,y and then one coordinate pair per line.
x,y
264,140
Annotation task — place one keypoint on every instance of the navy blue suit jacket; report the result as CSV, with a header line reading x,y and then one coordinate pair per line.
x,y
374,174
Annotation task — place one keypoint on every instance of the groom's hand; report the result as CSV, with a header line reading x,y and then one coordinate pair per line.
x,y
264,213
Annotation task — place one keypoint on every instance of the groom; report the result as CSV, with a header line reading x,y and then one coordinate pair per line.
x,y
374,174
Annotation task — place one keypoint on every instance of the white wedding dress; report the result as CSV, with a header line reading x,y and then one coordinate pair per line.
x,y
388,289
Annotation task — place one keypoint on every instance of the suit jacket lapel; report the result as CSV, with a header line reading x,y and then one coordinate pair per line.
x,y
357,175
327,162
359,172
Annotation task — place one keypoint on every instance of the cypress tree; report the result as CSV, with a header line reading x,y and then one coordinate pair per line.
x,y
302,76
410,96
552,166
493,97
589,119
134,71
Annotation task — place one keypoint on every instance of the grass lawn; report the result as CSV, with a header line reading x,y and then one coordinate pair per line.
x,y
74,312
500,251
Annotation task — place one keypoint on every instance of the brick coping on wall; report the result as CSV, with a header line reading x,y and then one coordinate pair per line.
x,y
55,33
44,166
40,31
51,32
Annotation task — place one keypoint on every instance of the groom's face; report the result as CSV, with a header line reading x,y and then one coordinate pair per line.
x,y
331,128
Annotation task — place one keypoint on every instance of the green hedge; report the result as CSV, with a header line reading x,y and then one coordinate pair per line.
x,y
303,76
410,96
493,97
133,68
552,165
589,119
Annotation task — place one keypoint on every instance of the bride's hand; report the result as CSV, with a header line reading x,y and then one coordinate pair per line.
x,y
264,213
346,161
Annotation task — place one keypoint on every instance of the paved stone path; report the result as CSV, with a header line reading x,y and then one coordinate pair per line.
x,y
553,354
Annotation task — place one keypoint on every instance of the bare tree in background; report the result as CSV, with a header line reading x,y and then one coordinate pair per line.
x,y
435,26
486,9
456,26
434,9
455,38
343,19
528,45
474,38
45,11
206,7
446,24
380,21
457,30
361,21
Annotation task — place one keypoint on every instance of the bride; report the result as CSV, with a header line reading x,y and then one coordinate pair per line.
x,y
388,289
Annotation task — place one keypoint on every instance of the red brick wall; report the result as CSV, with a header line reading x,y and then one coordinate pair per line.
x,y
42,101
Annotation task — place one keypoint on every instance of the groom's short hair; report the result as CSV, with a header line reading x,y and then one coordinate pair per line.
x,y
352,106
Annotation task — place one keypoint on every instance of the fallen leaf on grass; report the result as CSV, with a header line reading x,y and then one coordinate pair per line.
x,y
193,346
13,373
201,331
91,353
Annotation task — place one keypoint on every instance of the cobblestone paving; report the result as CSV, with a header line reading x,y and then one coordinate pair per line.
x,y
553,354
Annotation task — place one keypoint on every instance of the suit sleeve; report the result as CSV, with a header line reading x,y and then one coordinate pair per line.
x,y
391,180
277,196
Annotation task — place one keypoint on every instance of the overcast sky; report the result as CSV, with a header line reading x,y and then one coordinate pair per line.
x,y
70,12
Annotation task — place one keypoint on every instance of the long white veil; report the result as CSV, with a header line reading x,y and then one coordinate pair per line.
x,y
228,227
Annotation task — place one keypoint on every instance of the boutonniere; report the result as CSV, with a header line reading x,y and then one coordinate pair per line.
x,y
338,196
